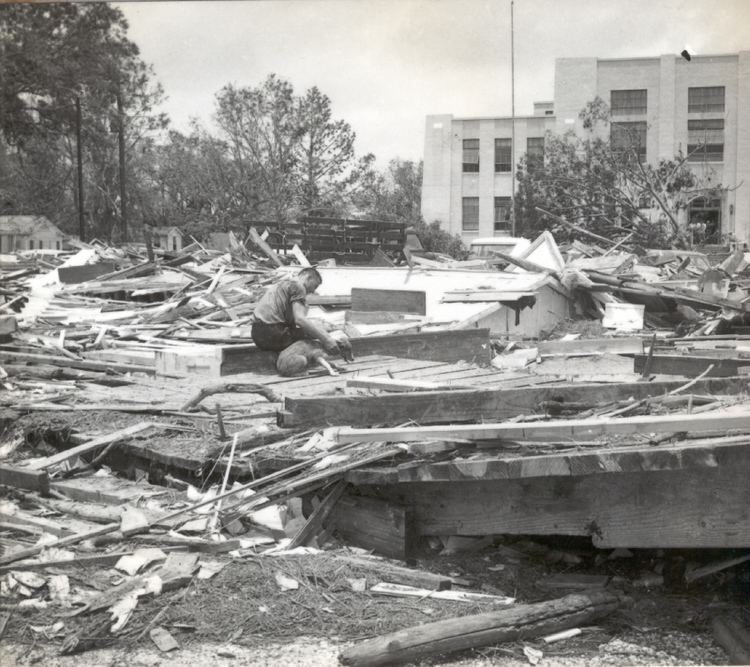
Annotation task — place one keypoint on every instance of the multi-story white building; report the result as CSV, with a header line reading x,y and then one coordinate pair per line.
x,y
672,103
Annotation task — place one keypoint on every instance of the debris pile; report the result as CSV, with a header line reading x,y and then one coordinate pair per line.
x,y
153,457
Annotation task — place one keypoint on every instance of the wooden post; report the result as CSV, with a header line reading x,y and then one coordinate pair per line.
x,y
457,634
121,159
79,164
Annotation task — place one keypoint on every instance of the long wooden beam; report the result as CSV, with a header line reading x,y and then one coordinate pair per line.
x,y
457,405
565,429
702,507
685,455
48,359
692,365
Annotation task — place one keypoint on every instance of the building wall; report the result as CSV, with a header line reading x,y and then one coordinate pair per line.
x,y
445,183
578,81
41,239
667,79
436,178
741,197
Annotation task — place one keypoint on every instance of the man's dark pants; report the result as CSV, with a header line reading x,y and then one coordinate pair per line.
x,y
275,337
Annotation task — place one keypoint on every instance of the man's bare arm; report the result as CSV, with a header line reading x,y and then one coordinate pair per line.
x,y
311,329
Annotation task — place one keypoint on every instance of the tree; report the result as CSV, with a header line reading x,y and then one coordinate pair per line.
x,y
601,183
290,150
324,154
196,186
52,56
262,130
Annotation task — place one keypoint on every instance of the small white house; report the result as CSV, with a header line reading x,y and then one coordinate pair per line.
x,y
28,232
167,238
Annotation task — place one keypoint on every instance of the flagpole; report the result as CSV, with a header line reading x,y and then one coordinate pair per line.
x,y
512,127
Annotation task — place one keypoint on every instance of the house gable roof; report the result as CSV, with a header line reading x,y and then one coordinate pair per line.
x,y
26,225
166,230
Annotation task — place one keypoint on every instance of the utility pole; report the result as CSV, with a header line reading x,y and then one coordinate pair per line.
x,y
121,151
79,156
512,127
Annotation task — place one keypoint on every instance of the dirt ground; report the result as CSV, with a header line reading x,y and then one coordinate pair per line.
x,y
239,617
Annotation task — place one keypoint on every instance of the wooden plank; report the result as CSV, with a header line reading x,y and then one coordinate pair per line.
x,y
558,429
687,508
91,446
323,383
329,300
378,525
24,478
66,362
81,561
476,405
397,301
386,384
480,295
318,517
300,256
71,275
449,346
692,365
107,490
620,345
267,249
374,317
8,326
389,571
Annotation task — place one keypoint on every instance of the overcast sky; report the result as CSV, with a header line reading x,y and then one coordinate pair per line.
x,y
386,64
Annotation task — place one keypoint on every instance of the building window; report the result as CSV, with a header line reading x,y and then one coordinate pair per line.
x,y
628,102
470,214
534,152
706,100
57,245
502,214
503,157
549,112
31,244
629,139
471,155
706,140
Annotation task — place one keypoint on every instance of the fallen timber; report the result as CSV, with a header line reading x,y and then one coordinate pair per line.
x,y
458,405
456,634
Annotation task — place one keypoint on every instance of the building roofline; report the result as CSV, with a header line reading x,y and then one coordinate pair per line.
x,y
500,117
677,56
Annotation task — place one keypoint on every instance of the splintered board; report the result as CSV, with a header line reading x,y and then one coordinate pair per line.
x,y
393,300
